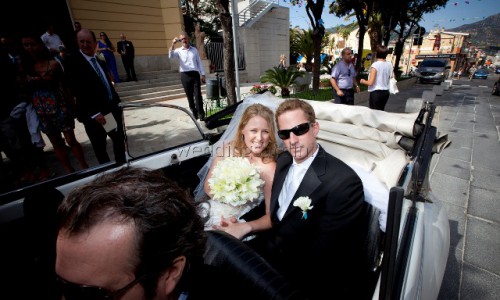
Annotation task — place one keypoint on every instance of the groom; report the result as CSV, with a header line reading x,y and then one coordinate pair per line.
x,y
317,246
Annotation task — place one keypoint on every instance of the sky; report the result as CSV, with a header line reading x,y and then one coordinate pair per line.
x,y
454,14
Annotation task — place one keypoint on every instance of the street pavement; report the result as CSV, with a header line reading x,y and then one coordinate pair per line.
x,y
465,177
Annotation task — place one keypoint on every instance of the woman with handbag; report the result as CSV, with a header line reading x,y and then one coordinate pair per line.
x,y
379,79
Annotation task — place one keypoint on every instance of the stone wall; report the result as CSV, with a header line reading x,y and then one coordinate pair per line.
x,y
265,41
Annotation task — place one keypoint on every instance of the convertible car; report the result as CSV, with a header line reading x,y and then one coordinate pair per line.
x,y
407,234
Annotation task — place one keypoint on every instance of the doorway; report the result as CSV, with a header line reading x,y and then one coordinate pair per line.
x,y
33,17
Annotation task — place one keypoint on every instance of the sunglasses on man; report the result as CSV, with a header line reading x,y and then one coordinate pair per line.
x,y
73,291
297,130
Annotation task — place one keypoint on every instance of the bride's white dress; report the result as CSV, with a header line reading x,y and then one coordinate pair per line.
x,y
217,209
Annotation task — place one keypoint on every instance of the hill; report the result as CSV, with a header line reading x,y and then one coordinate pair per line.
x,y
483,33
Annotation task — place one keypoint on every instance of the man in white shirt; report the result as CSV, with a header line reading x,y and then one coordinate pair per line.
x,y
52,41
191,69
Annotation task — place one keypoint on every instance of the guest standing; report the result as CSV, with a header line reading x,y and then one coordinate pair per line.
x,y
15,139
301,67
107,49
282,64
378,79
343,78
127,51
472,70
95,98
73,45
191,69
50,97
52,41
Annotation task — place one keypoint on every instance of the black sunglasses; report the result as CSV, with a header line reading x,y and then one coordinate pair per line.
x,y
73,291
297,130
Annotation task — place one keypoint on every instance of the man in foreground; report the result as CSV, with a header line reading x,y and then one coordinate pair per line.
x,y
131,234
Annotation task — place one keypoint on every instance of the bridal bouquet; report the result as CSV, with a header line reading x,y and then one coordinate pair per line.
x,y
235,181
236,186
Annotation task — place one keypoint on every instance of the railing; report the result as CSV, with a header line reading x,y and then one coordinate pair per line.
x,y
215,52
253,10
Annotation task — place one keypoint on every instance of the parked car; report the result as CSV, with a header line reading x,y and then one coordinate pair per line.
x,y
497,70
433,70
481,74
406,259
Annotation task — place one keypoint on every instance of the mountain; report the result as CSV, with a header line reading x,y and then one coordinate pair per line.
x,y
483,33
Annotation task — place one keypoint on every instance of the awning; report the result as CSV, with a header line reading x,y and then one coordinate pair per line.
x,y
301,59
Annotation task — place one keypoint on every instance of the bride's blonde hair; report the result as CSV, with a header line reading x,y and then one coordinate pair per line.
x,y
240,149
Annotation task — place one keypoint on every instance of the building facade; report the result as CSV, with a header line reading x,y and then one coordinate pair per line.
x,y
438,43
151,25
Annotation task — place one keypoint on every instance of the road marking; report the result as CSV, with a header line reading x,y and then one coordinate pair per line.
x,y
482,86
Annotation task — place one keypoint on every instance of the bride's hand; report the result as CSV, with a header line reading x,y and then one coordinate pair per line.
x,y
231,226
225,222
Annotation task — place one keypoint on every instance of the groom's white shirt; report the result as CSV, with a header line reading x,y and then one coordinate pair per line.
x,y
296,173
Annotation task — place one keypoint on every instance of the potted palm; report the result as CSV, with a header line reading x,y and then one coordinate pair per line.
x,y
281,78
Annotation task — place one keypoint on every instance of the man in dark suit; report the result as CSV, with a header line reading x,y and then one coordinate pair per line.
x,y
96,98
317,243
127,51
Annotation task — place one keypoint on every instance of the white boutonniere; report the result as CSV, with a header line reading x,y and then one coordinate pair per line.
x,y
304,204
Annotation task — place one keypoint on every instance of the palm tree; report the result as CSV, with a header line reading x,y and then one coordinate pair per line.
x,y
305,45
301,42
282,78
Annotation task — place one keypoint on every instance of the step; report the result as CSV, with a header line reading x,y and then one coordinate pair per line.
x,y
143,81
149,89
139,85
170,92
156,74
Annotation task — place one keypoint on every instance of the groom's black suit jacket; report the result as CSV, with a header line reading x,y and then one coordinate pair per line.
x,y
322,253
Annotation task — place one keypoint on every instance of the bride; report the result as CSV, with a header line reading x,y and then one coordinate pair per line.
x,y
255,140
